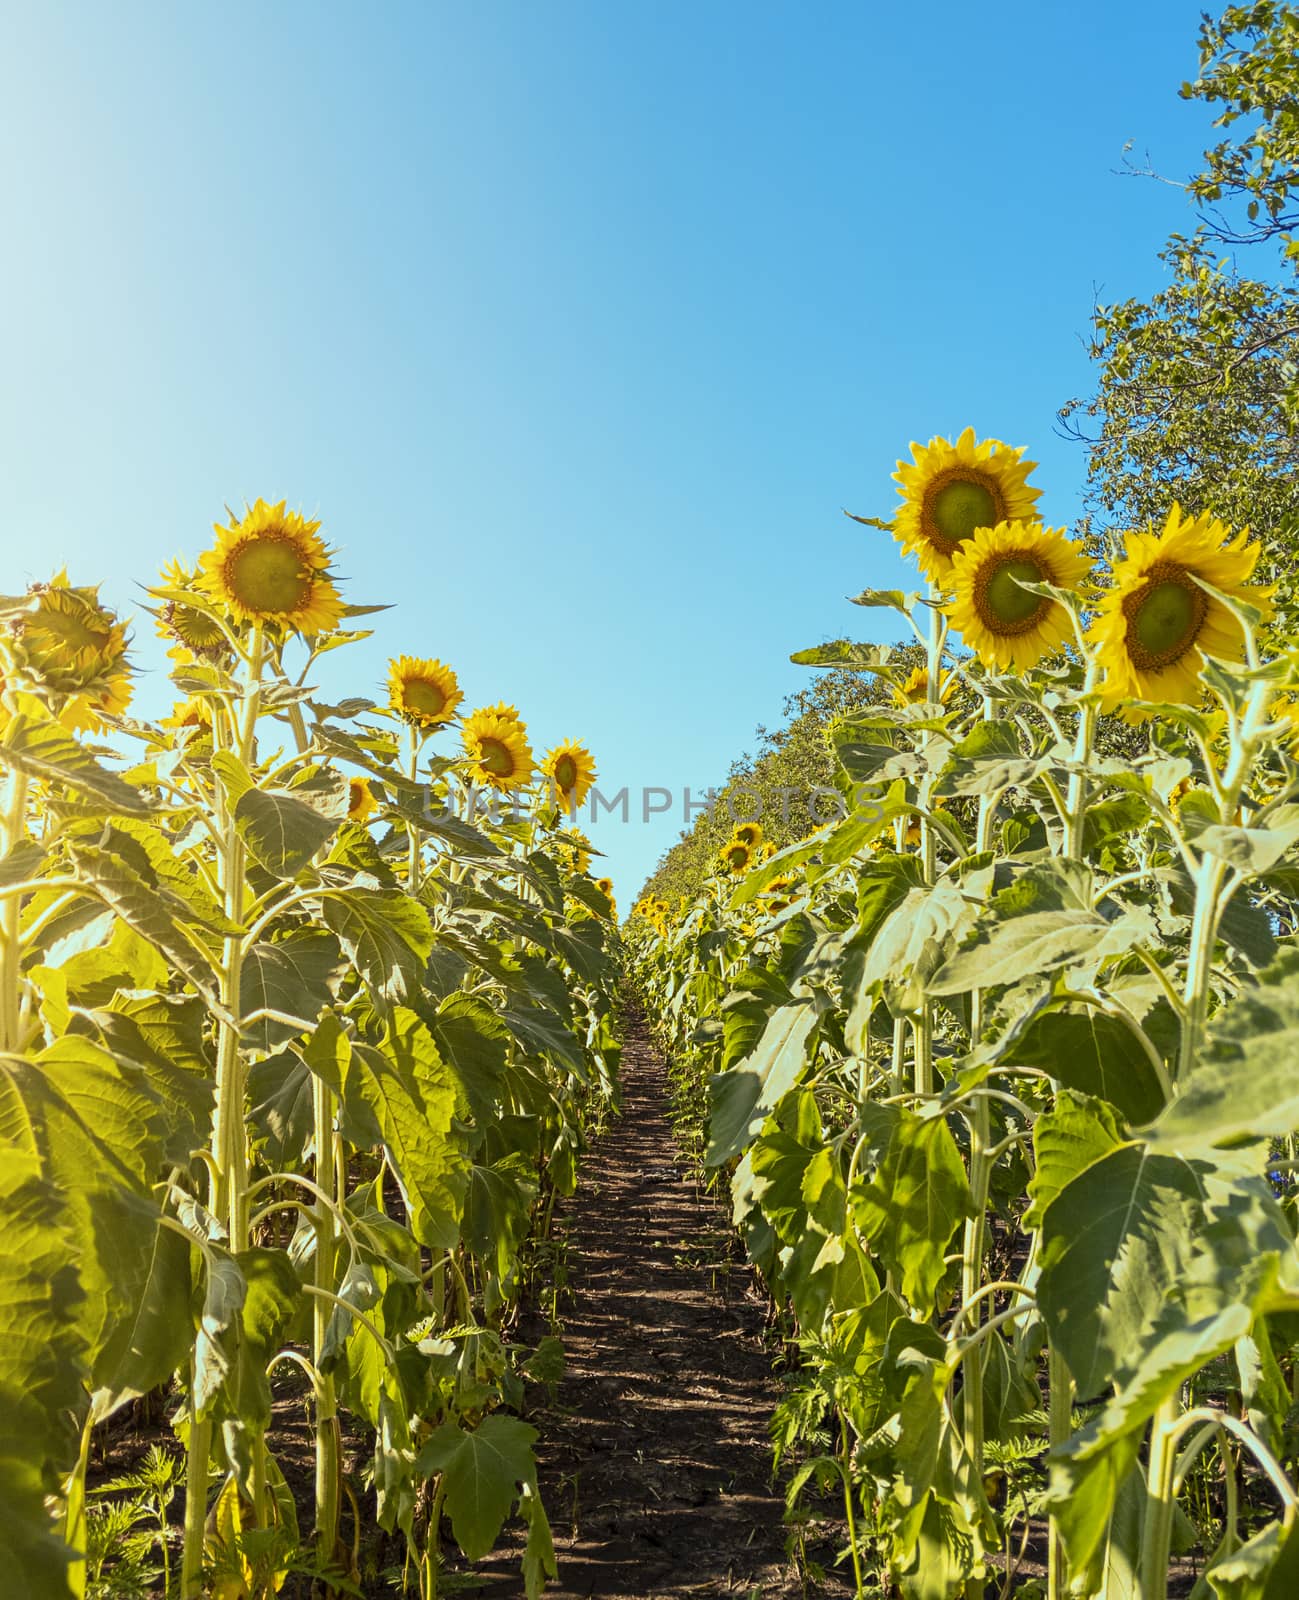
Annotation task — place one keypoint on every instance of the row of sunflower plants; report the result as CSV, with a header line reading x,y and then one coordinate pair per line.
x,y
1000,1062
303,1023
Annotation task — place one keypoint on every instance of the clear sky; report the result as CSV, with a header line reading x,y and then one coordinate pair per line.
x,y
577,323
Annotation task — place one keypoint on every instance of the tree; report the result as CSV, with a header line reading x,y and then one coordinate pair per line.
x,y
1198,393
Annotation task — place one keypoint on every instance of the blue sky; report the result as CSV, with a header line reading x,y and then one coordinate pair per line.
x,y
578,324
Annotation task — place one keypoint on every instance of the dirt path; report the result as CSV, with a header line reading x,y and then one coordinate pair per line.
x,y
655,1462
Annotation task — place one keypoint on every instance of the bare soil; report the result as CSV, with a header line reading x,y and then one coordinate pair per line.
x,y
655,1462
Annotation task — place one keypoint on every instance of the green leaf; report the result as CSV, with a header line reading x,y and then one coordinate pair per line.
x,y
743,1096
412,1094
1087,1050
153,1339
1264,1568
154,913
281,1095
20,863
388,936
913,944
842,653
476,1045
482,1474
296,978
1037,942
1067,1139
1247,1087
914,1204
282,833
42,750
1116,1242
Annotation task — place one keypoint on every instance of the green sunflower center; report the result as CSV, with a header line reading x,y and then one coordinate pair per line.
x,y
267,577
495,755
566,773
423,697
72,629
1164,616
1004,604
957,503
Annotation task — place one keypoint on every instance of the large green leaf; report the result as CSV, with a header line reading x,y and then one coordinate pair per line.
x,y
154,912
295,979
482,1473
412,1094
1067,1138
913,943
476,1045
388,936
744,1095
42,1367
1100,1055
1247,1087
152,1339
1116,1242
917,1199
282,832
1005,952
42,750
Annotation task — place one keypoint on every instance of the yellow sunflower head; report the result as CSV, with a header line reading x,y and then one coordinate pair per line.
x,y
71,648
571,770
361,803
749,833
192,713
273,568
605,886
574,849
915,690
1156,625
195,635
949,490
497,747
735,857
423,691
1006,625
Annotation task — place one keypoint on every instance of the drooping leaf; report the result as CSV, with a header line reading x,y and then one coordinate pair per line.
x,y
42,750
742,1096
918,1198
412,1095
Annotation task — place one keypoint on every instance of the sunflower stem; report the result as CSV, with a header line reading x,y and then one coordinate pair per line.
x,y
14,830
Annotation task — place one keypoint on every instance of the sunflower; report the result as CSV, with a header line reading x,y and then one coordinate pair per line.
x,y
192,713
1156,625
195,635
273,567
571,770
915,690
749,833
1004,624
423,692
73,648
736,856
360,800
952,489
497,747
574,849
605,886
